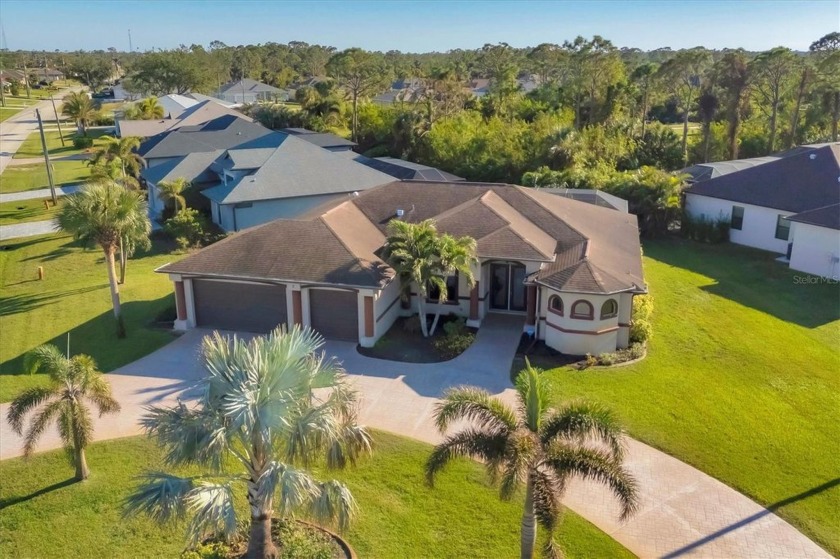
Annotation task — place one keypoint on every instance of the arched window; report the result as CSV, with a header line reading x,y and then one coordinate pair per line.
x,y
555,305
609,309
583,310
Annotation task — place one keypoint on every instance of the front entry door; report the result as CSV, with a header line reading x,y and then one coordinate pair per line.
x,y
507,287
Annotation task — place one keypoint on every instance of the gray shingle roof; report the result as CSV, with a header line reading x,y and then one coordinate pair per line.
x,y
194,167
249,86
593,249
828,216
298,168
804,181
223,132
320,139
406,170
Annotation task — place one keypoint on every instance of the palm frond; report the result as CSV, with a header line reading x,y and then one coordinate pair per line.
x,y
470,443
583,421
533,396
160,496
548,492
27,400
477,406
334,505
40,423
294,488
520,452
188,436
47,359
599,466
213,511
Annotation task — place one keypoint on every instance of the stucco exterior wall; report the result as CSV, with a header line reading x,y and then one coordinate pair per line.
x,y
576,336
386,309
156,203
268,210
759,226
816,250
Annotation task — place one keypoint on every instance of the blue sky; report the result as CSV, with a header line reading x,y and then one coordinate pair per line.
x,y
413,26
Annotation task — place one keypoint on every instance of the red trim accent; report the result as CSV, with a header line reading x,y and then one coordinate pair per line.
x,y
578,316
180,300
584,332
558,313
368,316
624,325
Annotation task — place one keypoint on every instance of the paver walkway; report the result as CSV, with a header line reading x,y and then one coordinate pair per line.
x,y
684,512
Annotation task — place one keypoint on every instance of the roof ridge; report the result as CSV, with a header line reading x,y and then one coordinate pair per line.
x,y
364,264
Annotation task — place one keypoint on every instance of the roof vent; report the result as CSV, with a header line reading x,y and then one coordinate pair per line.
x,y
400,212
813,156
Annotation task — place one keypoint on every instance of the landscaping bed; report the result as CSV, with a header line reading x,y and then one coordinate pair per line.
x,y
404,341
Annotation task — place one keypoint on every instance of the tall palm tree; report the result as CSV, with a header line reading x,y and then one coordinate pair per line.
x,y
174,191
258,407
72,380
104,213
79,106
422,257
150,108
537,446
122,150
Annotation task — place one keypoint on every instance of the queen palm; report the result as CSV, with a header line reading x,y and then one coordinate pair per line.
x,y
537,446
423,258
72,381
79,106
122,150
257,425
174,191
150,108
104,213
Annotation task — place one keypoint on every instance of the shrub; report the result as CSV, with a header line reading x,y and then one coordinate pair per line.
x,y
607,359
82,142
100,119
451,346
641,329
455,327
705,230
636,351
187,227
14,88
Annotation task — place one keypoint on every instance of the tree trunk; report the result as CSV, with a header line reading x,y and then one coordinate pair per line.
x,y
355,115
771,142
707,134
123,262
734,129
644,113
835,116
434,324
528,535
685,136
260,544
794,124
421,313
112,280
82,471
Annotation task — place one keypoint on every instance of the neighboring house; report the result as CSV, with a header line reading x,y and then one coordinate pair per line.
x,y
201,97
47,75
569,268
405,170
174,104
405,90
196,114
590,196
762,201
250,91
479,87
194,167
223,132
324,140
263,182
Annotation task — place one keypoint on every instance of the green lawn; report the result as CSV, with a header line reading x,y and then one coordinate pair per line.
x,y
6,113
31,147
742,378
399,516
74,297
27,210
17,178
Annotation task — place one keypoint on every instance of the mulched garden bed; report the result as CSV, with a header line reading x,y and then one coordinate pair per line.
x,y
404,342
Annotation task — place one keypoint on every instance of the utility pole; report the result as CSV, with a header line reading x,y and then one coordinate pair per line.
x,y
2,89
57,121
26,81
46,157
129,42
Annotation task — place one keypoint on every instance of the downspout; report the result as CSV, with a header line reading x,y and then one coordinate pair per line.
x,y
233,208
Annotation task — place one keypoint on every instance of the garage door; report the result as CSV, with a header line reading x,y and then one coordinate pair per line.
x,y
239,306
334,314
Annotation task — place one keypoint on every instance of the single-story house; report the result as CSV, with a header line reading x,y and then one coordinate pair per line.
x,y
194,167
175,104
263,182
816,242
569,268
193,115
47,75
761,202
250,91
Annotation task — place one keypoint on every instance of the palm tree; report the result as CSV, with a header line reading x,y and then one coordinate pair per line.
x,y
456,256
258,407
79,106
537,446
72,380
413,251
122,150
150,108
104,213
174,191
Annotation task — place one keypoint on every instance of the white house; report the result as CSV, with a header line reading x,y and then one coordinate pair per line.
x,y
769,204
816,242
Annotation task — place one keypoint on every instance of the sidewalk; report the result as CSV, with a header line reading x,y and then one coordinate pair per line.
x,y
28,229
39,193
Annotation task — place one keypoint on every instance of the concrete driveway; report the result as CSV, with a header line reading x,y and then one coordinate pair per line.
x,y
683,513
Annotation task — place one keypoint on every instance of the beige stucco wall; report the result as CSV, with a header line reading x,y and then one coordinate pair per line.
x,y
567,340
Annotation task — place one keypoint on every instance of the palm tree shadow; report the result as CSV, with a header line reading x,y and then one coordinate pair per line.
x,y
11,501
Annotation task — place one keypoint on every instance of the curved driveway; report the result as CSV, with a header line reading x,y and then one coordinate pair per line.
x,y
684,512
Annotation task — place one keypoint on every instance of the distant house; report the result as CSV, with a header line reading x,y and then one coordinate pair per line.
x,y
175,104
250,91
785,203
191,115
46,75
405,170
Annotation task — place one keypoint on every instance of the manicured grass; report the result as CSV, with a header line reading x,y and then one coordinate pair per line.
x,y
18,178
27,210
742,379
31,147
400,517
74,297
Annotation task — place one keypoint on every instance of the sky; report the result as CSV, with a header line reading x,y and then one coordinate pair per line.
x,y
415,26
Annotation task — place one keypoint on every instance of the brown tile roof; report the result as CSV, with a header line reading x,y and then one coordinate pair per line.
x,y
587,248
